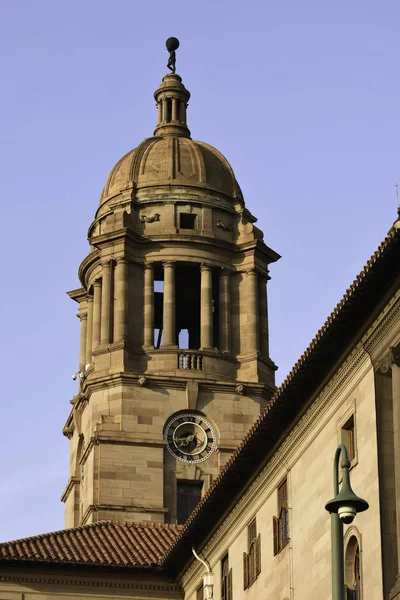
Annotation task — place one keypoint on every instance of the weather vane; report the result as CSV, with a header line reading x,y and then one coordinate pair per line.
x,y
172,44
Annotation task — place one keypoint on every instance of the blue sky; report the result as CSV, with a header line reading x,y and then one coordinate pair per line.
x,y
301,97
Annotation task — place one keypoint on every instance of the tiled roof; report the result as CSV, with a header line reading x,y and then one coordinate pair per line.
x,y
106,543
329,344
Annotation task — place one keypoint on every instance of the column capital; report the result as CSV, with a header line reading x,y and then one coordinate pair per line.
x,y
395,351
89,298
82,316
106,262
97,283
205,267
121,260
252,271
226,272
149,266
169,264
392,357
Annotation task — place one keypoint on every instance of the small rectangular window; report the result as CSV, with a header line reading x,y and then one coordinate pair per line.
x,y
348,437
226,579
188,497
187,221
281,522
252,558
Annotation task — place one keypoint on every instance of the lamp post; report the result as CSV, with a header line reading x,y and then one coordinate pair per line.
x,y
342,508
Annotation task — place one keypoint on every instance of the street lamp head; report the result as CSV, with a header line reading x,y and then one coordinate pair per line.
x,y
346,504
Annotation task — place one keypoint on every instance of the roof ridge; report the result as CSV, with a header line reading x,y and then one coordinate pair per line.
x,y
96,524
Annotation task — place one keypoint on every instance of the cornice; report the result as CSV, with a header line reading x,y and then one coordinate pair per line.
x,y
380,328
93,582
69,487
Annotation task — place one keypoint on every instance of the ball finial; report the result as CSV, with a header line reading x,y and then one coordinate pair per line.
x,y
172,44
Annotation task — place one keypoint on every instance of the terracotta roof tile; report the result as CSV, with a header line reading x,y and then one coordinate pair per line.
x,y
106,543
390,244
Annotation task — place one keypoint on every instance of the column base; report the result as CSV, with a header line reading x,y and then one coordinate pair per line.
x,y
169,346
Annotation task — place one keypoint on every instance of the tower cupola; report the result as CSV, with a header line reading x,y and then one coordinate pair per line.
x,y
172,100
174,355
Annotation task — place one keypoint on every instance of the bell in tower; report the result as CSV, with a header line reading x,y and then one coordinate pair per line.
x,y
174,356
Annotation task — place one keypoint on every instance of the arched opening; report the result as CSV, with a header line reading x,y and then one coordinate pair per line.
x,y
353,569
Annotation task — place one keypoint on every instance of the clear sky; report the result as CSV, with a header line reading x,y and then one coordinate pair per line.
x,y
302,98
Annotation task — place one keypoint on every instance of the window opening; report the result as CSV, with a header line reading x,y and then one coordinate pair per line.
x,y
187,299
348,437
226,579
183,338
188,497
158,307
353,570
187,221
281,523
252,558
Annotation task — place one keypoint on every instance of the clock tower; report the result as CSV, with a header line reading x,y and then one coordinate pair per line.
x,y
174,358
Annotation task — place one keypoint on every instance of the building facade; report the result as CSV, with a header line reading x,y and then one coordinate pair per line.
x,y
179,439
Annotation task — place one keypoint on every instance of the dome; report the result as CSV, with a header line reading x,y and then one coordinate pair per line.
x,y
171,157
170,160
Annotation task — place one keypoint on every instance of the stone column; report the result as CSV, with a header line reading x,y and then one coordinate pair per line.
x,y
159,112
224,312
175,109
164,110
206,308
121,308
182,111
148,336
263,315
106,303
96,314
89,330
251,308
83,334
169,305
395,365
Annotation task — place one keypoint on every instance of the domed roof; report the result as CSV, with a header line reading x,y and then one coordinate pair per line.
x,y
171,157
170,160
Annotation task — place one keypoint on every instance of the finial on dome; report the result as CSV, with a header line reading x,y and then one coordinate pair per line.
x,y
172,99
172,44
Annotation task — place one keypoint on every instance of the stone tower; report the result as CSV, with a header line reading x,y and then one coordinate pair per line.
x,y
174,358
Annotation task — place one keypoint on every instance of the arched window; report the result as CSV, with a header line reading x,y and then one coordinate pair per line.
x,y
353,568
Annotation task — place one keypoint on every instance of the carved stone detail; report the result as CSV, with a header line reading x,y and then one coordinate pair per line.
x,y
143,381
240,389
145,219
223,226
68,431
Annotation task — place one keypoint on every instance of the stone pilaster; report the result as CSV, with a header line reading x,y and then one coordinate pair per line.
x,y
96,314
263,316
148,306
106,303
89,330
394,364
169,317
121,300
83,335
224,312
252,311
206,308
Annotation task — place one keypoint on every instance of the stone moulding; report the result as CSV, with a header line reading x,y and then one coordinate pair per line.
x,y
161,587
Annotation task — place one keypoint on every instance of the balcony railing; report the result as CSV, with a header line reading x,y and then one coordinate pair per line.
x,y
187,360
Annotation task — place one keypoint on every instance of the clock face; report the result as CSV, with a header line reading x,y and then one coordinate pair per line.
x,y
190,437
